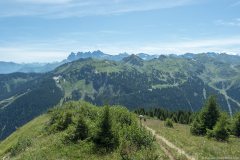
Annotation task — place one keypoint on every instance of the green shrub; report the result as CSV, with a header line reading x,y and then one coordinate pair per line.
x,y
150,153
236,125
210,133
78,132
21,145
122,116
139,137
168,123
60,120
130,151
197,128
127,150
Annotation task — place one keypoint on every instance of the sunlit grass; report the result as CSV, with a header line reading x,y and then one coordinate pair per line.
x,y
199,147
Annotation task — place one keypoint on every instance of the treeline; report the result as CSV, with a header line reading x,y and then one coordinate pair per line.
x,y
210,121
183,117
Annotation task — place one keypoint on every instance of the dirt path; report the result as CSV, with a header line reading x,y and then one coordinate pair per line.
x,y
170,145
166,151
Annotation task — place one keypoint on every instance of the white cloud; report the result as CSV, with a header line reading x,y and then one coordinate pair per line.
x,y
59,49
228,45
44,1
234,23
79,8
28,54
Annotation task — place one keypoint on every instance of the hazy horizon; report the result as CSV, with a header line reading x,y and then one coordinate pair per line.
x,y
49,30
57,61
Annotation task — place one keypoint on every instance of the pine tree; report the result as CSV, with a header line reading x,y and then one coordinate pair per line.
x,y
207,117
81,131
220,130
182,119
236,125
105,137
210,113
197,127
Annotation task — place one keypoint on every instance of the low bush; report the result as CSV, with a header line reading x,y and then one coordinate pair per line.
x,y
22,144
169,123
129,151
60,120
197,127
78,132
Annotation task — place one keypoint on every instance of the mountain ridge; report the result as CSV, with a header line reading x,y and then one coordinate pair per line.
x,y
11,67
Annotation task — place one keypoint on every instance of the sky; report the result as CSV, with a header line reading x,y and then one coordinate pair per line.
x,y
49,30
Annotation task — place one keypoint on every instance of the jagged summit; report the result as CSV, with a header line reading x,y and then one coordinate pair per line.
x,y
95,54
101,55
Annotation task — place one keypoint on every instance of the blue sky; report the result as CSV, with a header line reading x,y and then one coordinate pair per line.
x,y
48,30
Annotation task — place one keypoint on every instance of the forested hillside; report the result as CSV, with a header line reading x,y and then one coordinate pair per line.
x,y
26,97
172,82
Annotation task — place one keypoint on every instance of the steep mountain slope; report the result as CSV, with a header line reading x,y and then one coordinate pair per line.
x,y
24,97
173,82
11,84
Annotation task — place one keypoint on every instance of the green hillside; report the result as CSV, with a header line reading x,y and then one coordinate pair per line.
x,y
172,82
79,130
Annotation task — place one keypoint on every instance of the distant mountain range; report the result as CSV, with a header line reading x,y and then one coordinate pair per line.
x,y
100,55
11,67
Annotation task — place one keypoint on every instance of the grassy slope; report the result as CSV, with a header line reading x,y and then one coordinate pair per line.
x,y
32,129
50,146
47,146
198,147
44,146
